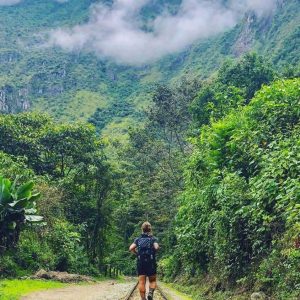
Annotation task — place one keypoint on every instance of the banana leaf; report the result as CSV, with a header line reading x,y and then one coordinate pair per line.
x,y
34,197
24,191
30,211
5,196
23,203
33,218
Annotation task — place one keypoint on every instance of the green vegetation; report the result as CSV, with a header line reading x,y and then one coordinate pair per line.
x,y
59,83
13,289
203,144
240,203
17,206
214,166
74,206
176,292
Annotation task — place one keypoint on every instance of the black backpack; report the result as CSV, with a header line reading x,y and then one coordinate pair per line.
x,y
145,249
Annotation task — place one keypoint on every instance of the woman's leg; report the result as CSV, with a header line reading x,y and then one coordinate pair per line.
x,y
152,286
152,282
142,286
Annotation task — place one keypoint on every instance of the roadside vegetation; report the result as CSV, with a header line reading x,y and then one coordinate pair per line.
x,y
214,166
13,289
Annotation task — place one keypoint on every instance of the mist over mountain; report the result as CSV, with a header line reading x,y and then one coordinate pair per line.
x,y
116,31
85,59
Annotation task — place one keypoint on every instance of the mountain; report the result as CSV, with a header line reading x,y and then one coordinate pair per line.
x,y
212,164
83,86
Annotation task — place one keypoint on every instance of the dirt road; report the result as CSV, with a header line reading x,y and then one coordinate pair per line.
x,y
106,290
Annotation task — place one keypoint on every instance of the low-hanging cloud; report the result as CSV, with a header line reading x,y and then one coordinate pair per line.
x,y
9,2
115,31
14,2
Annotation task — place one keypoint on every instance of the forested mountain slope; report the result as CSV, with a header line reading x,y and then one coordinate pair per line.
x,y
80,85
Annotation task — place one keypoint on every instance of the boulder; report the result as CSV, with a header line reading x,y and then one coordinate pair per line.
x,y
258,296
61,276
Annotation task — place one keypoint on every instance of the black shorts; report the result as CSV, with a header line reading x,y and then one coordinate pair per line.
x,y
148,269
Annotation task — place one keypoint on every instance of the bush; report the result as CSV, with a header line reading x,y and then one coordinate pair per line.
x,y
34,253
242,194
17,209
65,240
280,271
8,267
168,267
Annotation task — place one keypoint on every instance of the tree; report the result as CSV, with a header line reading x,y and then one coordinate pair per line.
x,y
17,207
150,174
69,159
241,196
249,74
234,86
65,147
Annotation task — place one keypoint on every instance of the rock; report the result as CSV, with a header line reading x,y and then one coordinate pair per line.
x,y
246,38
258,296
9,56
13,100
61,276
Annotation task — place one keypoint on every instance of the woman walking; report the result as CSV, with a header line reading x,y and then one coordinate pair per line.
x,y
145,248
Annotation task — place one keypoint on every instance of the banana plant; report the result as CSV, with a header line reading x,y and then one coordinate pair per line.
x,y
17,207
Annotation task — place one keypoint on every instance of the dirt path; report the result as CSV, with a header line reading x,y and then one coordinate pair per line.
x,y
107,290
136,296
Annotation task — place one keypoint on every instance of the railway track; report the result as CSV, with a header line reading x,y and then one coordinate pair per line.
x,y
135,295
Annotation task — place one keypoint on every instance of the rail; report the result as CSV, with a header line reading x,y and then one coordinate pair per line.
x,y
159,292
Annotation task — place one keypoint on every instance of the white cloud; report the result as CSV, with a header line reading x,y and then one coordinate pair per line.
x,y
14,2
9,2
115,32
260,7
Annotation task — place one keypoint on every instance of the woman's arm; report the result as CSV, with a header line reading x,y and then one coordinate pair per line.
x,y
156,246
132,248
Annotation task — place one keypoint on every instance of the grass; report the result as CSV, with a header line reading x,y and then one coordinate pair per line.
x,y
14,289
200,291
83,105
176,292
117,129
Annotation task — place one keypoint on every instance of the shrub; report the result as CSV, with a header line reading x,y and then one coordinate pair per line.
x,y
65,240
8,267
34,253
17,208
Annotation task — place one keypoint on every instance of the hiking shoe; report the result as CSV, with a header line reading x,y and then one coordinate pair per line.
x,y
150,297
